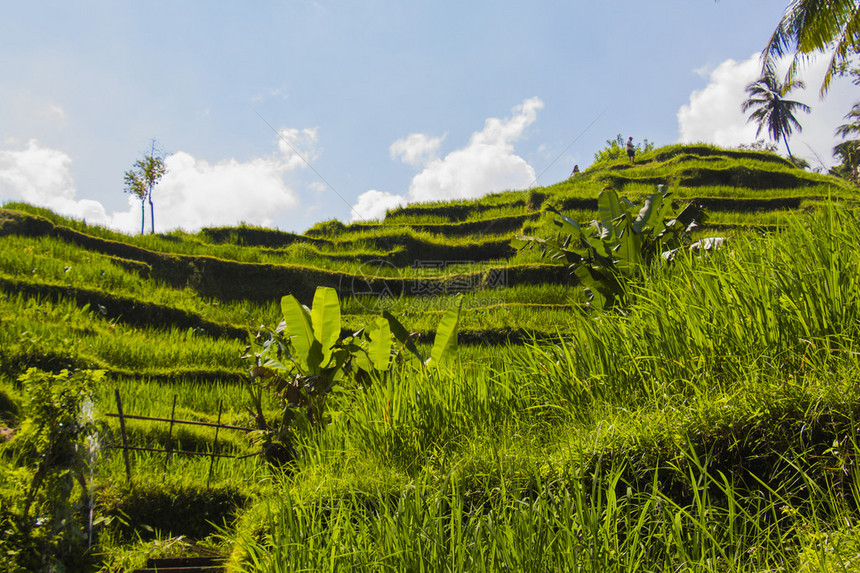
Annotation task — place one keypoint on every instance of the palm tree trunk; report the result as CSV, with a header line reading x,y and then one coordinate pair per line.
x,y
785,140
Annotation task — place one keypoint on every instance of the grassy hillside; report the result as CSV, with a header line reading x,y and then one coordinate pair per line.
x,y
709,425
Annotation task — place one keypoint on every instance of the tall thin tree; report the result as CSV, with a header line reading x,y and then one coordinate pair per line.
x,y
767,96
141,180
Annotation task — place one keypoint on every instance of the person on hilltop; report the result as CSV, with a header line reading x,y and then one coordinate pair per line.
x,y
631,149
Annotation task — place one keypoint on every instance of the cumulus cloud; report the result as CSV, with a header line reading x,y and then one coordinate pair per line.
x,y
195,193
485,165
298,146
36,174
192,194
713,114
416,149
42,176
373,204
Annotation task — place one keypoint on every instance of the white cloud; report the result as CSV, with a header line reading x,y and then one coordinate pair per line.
x,y
714,114
195,193
298,146
42,176
485,165
416,149
501,133
373,204
36,174
192,194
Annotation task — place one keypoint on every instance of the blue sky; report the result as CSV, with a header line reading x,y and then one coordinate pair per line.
x,y
389,102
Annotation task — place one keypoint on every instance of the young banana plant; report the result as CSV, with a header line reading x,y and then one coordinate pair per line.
x,y
621,244
305,358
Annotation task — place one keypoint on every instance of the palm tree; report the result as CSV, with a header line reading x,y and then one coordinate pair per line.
x,y
853,125
774,111
810,26
848,151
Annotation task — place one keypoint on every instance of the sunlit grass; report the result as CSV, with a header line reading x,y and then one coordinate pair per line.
x,y
745,352
30,326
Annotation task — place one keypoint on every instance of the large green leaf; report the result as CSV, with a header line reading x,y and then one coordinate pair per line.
x,y
567,224
298,321
401,334
599,238
649,214
629,250
361,359
379,348
603,232
325,318
601,283
608,206
446,335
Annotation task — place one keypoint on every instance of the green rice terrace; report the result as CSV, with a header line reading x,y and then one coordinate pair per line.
x,y
451,398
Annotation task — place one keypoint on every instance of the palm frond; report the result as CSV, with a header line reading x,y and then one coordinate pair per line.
x,y
813,26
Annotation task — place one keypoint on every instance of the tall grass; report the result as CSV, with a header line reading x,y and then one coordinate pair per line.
x,y
595,522
707,426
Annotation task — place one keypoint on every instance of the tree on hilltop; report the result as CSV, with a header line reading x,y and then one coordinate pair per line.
x,y
767,96
140,180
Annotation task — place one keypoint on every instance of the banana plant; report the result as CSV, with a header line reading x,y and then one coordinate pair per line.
x,y
305,358
389,341
620,245
300,362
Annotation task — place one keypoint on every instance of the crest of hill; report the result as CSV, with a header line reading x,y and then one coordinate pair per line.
x,y
163,277
723,180
740,189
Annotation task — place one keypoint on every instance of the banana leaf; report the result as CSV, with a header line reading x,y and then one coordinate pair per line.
x,y
325,320
379,348
446,336
308,351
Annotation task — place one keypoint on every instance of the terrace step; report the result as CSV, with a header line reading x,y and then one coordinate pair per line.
x,y
184,565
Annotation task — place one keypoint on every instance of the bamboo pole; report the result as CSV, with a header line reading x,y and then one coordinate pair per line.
x,y
170,433
124,436
189,422
214,445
